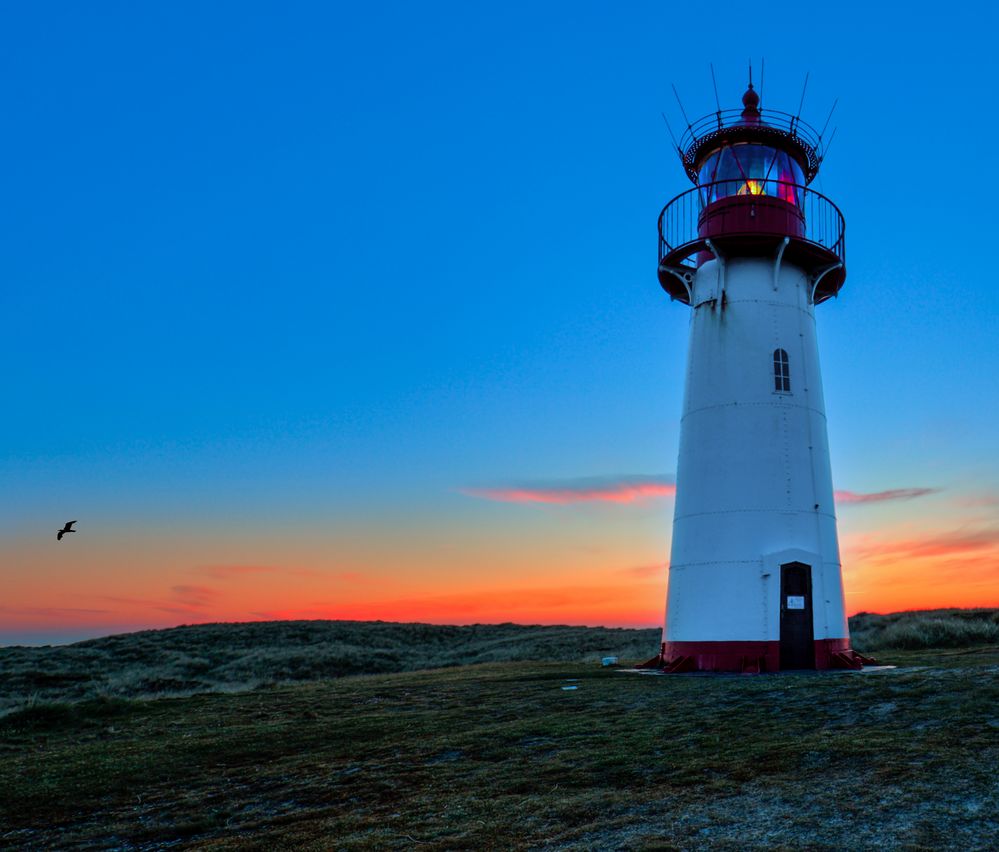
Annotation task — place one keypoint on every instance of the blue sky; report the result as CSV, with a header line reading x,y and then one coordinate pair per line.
x,y
278,268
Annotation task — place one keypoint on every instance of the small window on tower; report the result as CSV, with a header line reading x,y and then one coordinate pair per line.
x,y
782,375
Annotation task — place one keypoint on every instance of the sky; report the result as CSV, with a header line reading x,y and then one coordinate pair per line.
x,y
316,310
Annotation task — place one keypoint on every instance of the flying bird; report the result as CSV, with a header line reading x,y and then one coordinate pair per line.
x,y
65,529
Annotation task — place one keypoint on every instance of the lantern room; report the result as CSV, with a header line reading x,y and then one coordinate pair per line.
x,y
746,168
751,170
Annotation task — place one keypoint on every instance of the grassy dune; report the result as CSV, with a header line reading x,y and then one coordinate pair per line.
x,y
937,628
501,755
237,657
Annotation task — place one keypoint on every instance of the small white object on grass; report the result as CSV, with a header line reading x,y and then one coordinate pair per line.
x,y
567,688
608,661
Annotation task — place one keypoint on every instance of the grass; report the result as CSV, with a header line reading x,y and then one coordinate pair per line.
x,y
938,628
499,755
238,657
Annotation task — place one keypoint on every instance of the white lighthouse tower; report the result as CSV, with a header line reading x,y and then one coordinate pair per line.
x,y
754,573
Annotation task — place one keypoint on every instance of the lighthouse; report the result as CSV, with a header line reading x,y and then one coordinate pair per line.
x,y
754,580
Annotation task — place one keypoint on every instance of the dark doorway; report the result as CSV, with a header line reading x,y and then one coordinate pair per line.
x,y
797,649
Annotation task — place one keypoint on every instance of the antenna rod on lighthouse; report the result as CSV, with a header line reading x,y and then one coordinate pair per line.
x,y
829,143
801,103
683,112
715,84
824,126
671,136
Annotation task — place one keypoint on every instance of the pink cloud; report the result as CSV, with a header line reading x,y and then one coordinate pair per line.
x,y
848,497
634,488
620,489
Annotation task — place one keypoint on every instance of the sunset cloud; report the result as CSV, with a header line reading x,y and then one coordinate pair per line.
x,y
922,570
937,546
657,569
985,500
848,497
621,604
604,489
224,572
194,596
50,611
185,601
637,487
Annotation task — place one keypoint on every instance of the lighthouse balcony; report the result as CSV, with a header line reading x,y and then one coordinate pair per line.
x,y
752,218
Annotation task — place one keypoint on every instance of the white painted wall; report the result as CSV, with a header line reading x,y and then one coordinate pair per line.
x,y
753,477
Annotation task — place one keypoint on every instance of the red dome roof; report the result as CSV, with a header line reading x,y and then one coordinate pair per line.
x,y
751,102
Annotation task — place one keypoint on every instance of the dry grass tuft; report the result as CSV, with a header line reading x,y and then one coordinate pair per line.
x,y
241,657
935,628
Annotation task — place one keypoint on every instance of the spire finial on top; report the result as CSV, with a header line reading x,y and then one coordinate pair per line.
x,y
751,105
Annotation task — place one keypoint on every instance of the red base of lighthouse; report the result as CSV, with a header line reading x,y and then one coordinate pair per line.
x,y
749,657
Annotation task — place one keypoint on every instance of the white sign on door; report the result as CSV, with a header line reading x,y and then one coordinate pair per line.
x,y
795,602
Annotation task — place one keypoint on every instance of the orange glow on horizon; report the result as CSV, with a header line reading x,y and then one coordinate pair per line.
x,y
473,581
922,571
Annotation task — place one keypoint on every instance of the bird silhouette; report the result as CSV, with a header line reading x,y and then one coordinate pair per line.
x,y
65,529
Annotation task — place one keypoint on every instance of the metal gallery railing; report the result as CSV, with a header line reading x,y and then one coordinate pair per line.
x,y
816,219
770,121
